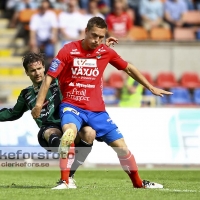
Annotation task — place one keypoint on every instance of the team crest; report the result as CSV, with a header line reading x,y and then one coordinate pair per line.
x,y
98,56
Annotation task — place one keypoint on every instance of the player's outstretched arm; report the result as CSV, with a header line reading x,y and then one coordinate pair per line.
x,y
137,75
111,41
41,96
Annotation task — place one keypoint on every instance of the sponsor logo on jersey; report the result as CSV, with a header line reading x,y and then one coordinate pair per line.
x,y
71,110
100,50
85,68
80,85
85,62
54,65
71,84
74,51
78,95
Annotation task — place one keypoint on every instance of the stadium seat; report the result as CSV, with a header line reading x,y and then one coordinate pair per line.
x,y
115,80
148,77
166,80
192,17
160,34
110,96
17,71
184,34
139,33
190,80
196,96
4,71
181,96
25,17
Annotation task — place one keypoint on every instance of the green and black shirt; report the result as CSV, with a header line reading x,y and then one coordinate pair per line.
x,y
27,100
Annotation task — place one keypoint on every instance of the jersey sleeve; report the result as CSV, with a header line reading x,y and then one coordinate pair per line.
x,y
116,60
58,63
11,114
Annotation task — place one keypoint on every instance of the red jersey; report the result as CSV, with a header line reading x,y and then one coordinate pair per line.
x,y
119,25
80,74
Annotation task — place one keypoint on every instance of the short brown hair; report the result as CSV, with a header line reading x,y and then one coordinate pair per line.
x,y
96,21
31,57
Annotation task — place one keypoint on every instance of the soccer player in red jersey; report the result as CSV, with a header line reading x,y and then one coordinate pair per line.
x,y
79,67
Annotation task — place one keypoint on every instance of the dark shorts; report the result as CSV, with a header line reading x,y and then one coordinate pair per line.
x,y
43,143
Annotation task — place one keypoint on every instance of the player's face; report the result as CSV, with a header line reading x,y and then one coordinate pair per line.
x,y
36,72
94,37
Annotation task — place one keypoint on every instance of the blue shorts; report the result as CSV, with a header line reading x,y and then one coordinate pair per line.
x,y
106,129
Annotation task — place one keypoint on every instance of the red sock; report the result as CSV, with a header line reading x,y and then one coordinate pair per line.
x,y
130,167
65,164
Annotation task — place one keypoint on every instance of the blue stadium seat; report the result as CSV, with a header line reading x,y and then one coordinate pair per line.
x,y
110,96
196,96
162,100
180,96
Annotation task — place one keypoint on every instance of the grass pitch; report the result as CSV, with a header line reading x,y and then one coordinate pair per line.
x,y
99,185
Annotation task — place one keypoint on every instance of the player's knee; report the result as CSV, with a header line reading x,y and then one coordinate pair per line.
x,y
122,151
120,147
87,134
50,131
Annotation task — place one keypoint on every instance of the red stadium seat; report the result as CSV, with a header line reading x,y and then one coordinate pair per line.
x,y
139,33
25,17
115,80
190,80
160,34
148,77
192,17
184,34
166,80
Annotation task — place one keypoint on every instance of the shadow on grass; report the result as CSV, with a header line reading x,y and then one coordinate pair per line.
x,y
23,186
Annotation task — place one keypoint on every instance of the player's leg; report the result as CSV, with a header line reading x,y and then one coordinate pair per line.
x,y
127,160
107,131
83,146
49,137
71,123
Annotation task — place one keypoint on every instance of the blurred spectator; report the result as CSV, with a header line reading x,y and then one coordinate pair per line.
x,y
2,4
174,11
197,4
152,13
119,21
60,5
134,5
43,30
131,93
190,4
103,5
71,23
92,11
19,6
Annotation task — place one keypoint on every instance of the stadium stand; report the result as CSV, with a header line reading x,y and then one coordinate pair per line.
x,y
196,96
190,80
139,33
192,17
184,34
115,80
181,96
166,80
160,34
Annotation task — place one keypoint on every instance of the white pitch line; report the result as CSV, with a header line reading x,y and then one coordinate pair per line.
x,y
176,190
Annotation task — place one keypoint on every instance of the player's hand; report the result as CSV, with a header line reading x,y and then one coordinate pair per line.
x,y
36,112
159,92
111,41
